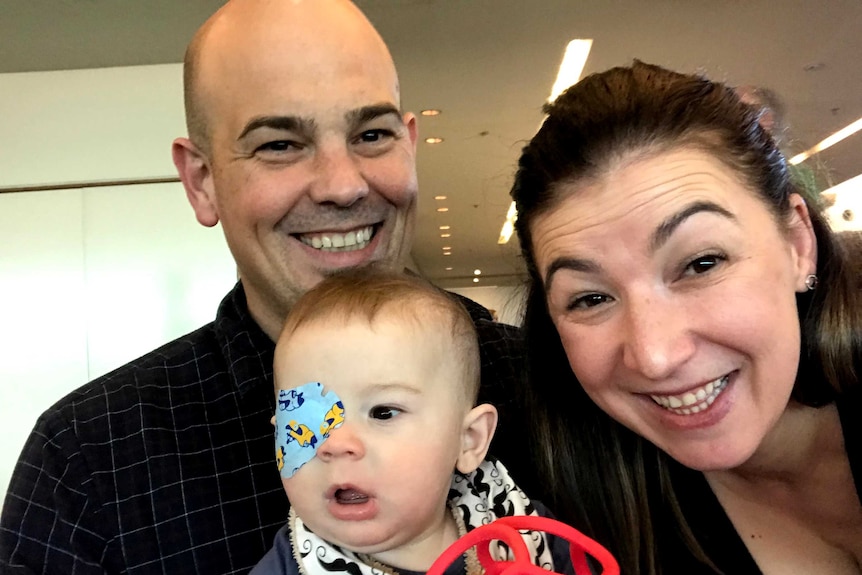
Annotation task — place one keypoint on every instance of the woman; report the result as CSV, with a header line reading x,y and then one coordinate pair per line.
x,y
707,322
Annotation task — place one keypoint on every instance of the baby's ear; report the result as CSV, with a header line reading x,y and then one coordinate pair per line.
x,y
476,434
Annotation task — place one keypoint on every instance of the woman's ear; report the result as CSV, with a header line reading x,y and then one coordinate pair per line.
x,y
476,434
803,241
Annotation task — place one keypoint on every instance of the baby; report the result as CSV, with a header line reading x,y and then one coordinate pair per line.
x,y
379,440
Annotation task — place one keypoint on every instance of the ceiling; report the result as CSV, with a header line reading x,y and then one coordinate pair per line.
x,y
489,65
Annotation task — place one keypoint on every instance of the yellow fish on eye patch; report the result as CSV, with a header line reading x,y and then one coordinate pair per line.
x,y
301,434
279,458
333,418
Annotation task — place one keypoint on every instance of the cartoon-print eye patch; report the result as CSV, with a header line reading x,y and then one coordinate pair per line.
x,y
304,417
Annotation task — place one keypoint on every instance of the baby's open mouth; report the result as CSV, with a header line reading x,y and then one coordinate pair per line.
x,y
349,496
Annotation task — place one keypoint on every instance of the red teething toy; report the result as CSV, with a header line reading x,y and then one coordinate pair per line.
x,y
506,529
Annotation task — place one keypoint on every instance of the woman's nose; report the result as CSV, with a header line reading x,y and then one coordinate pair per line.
x,y
657,338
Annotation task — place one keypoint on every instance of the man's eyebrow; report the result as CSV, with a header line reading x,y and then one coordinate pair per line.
x,y
665,230
283,123
367,113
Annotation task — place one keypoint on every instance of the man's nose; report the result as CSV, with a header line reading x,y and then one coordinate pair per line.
x,y
339,179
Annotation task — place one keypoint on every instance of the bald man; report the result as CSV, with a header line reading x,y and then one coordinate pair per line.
x,y
298,146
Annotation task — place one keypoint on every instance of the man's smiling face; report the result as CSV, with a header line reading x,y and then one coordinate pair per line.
x,y
312,165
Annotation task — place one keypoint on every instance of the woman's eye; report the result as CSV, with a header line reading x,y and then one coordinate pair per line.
x,y
589,300
703,264
383,412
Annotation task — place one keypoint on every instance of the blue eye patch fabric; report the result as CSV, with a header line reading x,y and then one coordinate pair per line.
x,y
304,417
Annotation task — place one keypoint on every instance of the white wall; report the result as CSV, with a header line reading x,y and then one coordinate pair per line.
x,y
93,277
846,213
89,125
43,346
90,279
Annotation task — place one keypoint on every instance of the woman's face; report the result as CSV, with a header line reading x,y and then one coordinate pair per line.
x,y
673,288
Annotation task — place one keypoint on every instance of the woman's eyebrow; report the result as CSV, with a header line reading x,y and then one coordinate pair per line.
x,y
665,229
568,263
659,237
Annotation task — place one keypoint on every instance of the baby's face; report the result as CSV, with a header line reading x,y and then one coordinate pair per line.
x,y
379,480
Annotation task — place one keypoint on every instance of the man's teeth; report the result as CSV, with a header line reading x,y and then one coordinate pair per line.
x,y
355,240
693,401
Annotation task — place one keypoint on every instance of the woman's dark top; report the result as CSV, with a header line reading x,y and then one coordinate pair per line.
x,y
711,525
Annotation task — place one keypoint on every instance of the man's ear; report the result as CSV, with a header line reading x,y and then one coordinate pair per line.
x,y
476,434
803,241
194,170
412,129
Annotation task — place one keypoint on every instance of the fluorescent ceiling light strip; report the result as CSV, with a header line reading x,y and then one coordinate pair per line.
x,y
828,141
571,68
506,231
508,225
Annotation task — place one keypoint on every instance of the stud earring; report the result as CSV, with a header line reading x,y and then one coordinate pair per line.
x,y
811,282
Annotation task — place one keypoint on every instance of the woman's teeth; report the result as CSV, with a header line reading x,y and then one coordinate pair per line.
x,y
693,401
354,240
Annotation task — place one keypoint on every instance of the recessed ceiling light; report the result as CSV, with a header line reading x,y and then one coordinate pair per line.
x,y
448,269
433,140
447,248
439,197
445,235
442,209
477,272
444,227
447,253
475,280
430,112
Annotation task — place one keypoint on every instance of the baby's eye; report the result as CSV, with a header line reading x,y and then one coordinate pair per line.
x,y
383,412
703,264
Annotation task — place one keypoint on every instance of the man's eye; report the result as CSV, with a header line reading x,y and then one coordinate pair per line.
x,y
372,136
383,412
278,146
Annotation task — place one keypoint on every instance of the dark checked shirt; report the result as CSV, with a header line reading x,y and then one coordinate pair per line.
x,y
166,465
